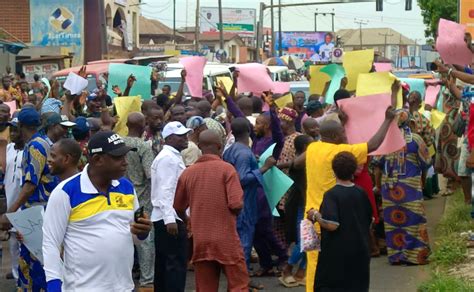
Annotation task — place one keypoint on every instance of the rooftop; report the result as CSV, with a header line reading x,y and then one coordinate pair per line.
x,y
155,27
373,36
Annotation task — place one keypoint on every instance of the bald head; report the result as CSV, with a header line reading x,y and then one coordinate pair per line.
x,y
204,108
246,105
332,132
136,123
210,142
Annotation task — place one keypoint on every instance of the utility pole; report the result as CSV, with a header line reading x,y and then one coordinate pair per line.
x,y
400,51
360,23
174,21
280,41
385,35
316,21
196,28
272,50
323,14
186,15
221,27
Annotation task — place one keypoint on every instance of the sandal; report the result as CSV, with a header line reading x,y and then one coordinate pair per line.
x,y
264,273
301,282
256,286
288,281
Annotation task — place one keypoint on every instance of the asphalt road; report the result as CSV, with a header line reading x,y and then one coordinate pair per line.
x,y
384,277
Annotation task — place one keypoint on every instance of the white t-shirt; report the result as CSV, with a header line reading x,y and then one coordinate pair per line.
x,y
325,51
13,174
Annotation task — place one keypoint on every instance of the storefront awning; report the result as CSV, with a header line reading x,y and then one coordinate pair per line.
x,y
11,47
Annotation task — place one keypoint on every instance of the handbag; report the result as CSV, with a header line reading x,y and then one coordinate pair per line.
x,y
309,239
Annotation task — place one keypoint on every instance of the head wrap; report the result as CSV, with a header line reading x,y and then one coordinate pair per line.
x,y
287,114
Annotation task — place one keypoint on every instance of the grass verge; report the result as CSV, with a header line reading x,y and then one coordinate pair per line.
x,y
450,247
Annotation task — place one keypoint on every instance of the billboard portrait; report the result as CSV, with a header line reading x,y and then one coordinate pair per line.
x,y
235,20
314,46
58,23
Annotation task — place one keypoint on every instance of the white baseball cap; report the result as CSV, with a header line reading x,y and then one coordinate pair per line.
x,y
175,128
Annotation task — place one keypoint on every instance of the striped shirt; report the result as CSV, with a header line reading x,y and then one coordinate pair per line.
x,y
94,228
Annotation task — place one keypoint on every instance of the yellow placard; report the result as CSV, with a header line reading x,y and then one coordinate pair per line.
x,y
125,105
437,118
318,79
355,63
284,100
226,81
377,83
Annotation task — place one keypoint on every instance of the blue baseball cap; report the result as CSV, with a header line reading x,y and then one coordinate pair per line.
x,y
82,126
92,96
29,117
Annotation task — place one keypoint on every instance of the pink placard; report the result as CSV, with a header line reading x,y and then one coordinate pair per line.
x,y
431,94
194,74
12,106
365,116
383,67
433,82
254,77
450,43
281,87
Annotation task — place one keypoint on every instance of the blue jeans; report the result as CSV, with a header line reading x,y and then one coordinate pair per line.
x,y
296,254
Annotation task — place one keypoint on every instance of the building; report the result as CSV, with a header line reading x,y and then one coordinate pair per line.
x,y
234,47
41,36
122,19
153,31
386,42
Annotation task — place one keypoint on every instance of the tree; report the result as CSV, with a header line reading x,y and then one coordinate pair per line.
x,y
433,10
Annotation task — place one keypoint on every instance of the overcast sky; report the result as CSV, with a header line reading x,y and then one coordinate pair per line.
x,y
394,15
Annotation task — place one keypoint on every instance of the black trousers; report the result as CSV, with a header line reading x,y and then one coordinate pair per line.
x,y
170,258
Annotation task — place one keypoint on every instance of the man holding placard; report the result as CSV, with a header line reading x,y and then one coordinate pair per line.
x,y
37,184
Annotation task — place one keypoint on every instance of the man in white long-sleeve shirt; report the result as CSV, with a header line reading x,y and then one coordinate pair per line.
x,y
170,232
12,181
92,215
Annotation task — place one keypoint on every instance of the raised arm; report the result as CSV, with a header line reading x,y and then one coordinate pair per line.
x,y
396,87
130,80
378,138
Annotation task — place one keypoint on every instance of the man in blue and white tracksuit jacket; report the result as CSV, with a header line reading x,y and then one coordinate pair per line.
x,y
92,215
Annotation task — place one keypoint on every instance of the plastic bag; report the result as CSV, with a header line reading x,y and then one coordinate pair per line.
x,y
308,237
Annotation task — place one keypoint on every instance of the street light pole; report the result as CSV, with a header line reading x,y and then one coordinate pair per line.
x,y
196,28
221,27
280,41
273,29
174,21
360,23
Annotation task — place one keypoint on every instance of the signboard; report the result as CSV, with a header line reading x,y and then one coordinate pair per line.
x,y
43,70
315,46
235,20
466,14
58,23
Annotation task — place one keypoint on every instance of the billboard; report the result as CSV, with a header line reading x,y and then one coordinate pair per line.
x,y
315,46
235,20
466,14
58,23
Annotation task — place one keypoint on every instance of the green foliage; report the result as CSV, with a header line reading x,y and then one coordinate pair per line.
x,y
441,282
449,250
433,10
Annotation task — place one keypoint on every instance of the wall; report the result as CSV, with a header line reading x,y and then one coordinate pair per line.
x,y
130,13
16,18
